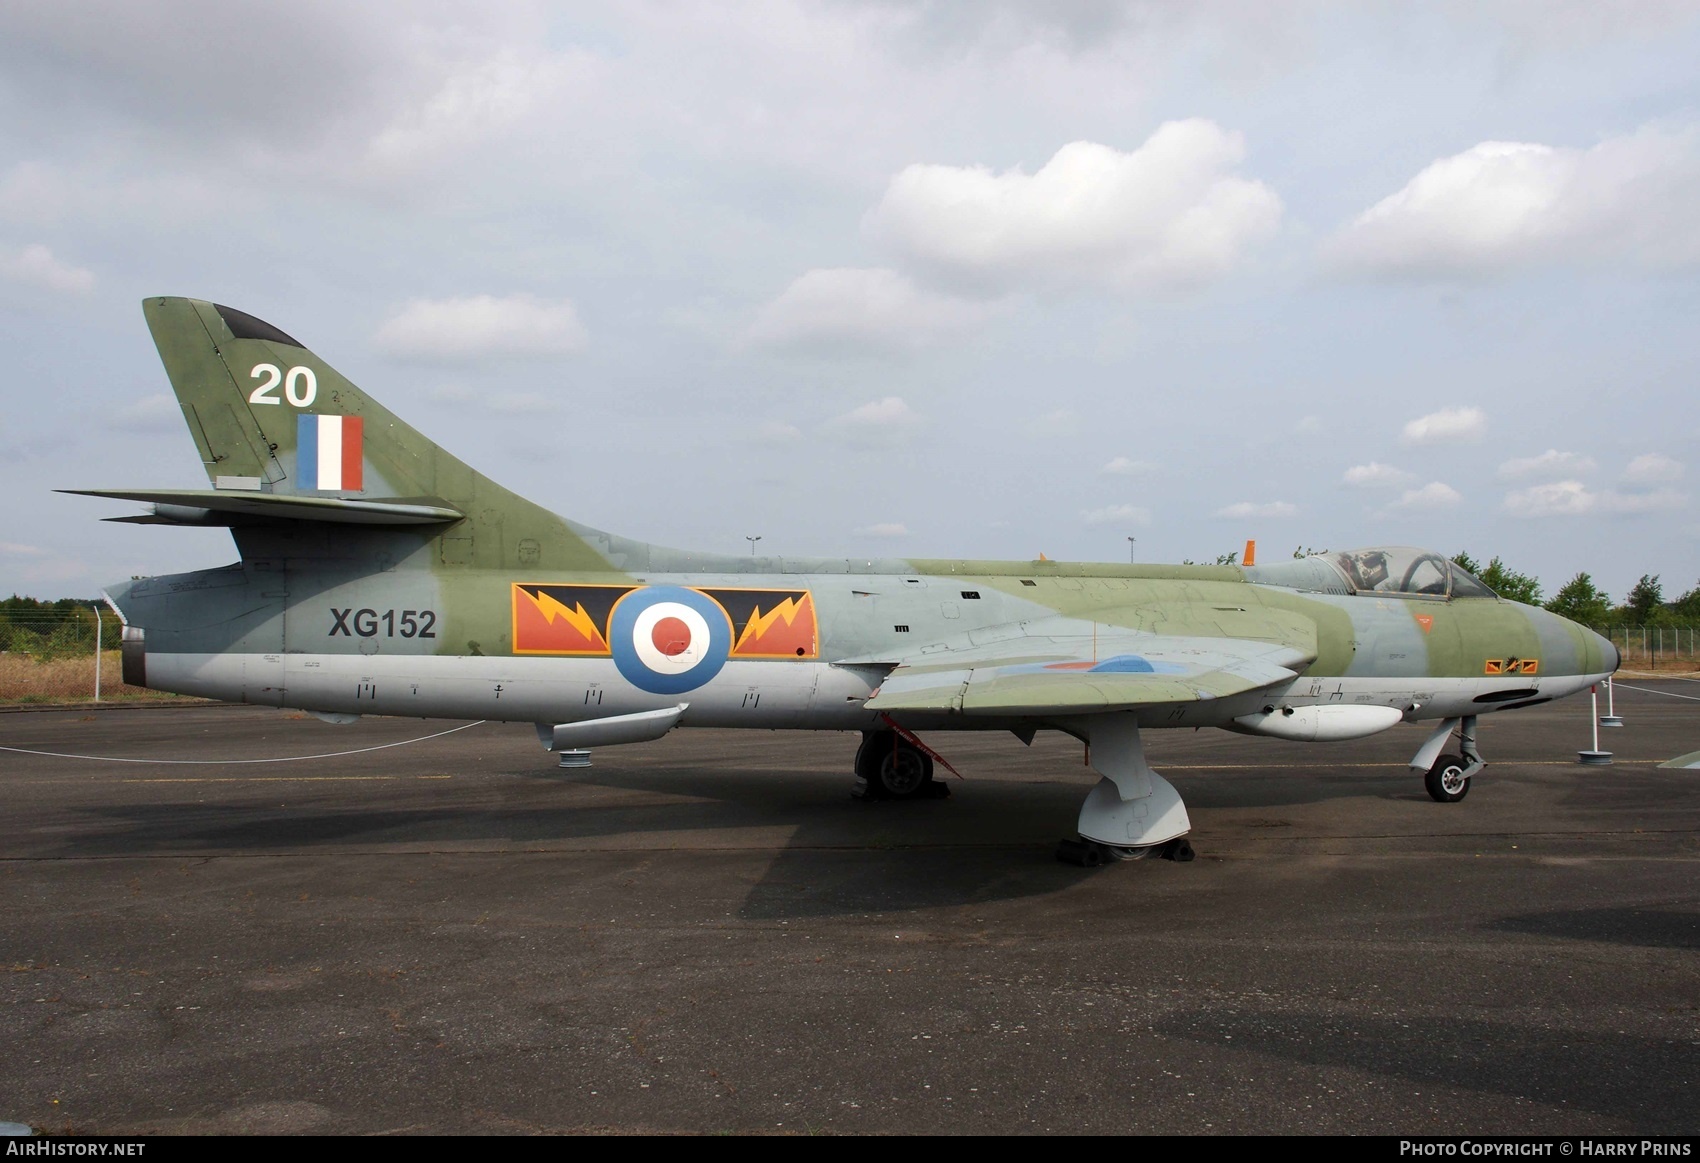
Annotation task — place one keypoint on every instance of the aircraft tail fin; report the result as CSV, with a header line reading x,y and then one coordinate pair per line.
x,y
269,416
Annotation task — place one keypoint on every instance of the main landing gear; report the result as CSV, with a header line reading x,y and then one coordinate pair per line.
x,y
1133,812
1447,777
1091,854
889,767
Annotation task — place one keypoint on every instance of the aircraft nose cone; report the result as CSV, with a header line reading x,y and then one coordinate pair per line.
x,y
1605,651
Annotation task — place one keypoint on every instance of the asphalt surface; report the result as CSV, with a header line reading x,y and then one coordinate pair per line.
x,y
707,934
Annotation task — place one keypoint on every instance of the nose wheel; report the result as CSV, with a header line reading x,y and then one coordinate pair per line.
x,y
1446,781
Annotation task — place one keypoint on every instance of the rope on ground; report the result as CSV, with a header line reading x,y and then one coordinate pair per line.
x,y
1647,690
225,762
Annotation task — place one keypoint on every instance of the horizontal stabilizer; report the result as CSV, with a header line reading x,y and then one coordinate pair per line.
x,y
196,506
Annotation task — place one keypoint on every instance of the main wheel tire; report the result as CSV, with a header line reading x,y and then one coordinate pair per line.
x,y
904,773
1446,781
893,769
1125,854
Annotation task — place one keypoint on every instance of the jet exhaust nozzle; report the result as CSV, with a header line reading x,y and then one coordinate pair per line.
x,y
135,657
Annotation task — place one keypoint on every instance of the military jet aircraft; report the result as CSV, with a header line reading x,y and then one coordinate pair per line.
x,y
380,575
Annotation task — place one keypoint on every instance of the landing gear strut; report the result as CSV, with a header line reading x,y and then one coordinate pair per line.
x,y
888,767
1133,812
1447,777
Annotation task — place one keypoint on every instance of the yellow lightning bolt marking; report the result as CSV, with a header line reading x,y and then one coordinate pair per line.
x,y
761,623
551,608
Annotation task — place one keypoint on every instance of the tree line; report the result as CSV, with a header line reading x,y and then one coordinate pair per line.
x,y
46,630
1581,600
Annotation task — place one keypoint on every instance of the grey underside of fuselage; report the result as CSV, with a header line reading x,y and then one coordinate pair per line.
x,y
251,634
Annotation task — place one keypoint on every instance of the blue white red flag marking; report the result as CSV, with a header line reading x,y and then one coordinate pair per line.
x,y
328,452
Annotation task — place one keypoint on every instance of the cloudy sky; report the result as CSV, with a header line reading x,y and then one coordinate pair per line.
x,y
980,278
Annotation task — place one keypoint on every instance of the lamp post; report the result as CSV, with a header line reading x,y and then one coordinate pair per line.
x,y
752,541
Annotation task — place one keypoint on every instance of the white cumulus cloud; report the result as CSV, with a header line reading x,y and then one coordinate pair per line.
x,y
1171,214
477,100
862,308
1552,462
482,327
1504,204
776,432
1434,495
1273,510
35,266
1117,515
1123,466
1574,499
1376,475
1444,425
1652,468
877,421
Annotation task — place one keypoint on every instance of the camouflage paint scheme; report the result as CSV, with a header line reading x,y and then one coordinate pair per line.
x,y
327,608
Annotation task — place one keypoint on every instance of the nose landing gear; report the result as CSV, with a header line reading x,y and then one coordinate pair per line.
x,y
1447,777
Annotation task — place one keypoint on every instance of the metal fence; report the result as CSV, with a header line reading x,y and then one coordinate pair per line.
x,y
47,659
1658,645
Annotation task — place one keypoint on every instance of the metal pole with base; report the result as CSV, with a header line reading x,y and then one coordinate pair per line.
x,y
1596,757
1611,718
97,652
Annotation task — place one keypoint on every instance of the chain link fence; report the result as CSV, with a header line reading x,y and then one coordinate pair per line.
x,y
1656,646
53,659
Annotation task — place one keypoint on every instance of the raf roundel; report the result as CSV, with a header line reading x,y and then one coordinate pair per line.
x,y
668,639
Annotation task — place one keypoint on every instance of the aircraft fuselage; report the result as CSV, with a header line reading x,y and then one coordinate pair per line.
x,y
435,643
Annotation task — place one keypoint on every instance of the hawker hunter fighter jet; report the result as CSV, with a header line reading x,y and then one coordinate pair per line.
x,y
380,575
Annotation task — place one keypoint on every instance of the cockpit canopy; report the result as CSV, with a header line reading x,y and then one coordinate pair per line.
x,y
1400,571
1408,572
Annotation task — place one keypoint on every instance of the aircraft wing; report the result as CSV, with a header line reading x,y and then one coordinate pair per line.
x,y
1062,672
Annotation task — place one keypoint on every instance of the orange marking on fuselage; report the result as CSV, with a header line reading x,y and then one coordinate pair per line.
x,y
575,617
776,631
